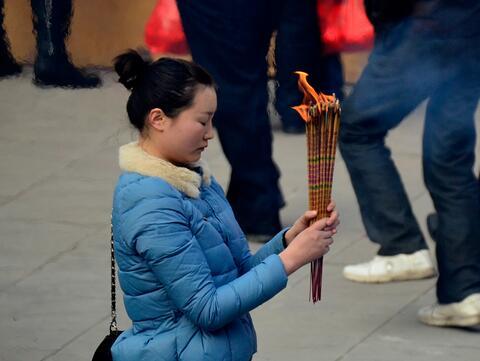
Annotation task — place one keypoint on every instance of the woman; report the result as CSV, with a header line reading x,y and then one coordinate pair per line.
x,y
187,274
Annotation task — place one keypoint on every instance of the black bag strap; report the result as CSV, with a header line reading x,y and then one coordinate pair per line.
x,y
113,314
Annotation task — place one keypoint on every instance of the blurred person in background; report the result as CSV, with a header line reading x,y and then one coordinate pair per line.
x,y
298,46
231,39
52,67
423,49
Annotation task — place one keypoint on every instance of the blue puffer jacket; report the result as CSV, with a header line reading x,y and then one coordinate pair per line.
x,y
187,274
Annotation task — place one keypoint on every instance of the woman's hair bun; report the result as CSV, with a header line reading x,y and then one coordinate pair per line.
x,y
131,67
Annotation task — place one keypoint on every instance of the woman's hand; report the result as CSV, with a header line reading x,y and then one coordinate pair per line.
x,y
302,223
309,245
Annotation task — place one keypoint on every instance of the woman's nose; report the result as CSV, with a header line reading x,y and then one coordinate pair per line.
x,y
209,134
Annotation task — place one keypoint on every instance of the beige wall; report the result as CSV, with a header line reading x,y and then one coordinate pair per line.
x,y
100,29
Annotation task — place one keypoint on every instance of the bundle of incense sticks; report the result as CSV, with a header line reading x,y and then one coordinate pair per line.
x,y
321,114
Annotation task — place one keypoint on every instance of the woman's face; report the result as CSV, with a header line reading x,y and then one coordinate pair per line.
x,y
186,136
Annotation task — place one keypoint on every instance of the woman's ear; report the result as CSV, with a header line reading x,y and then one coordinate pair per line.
x,y
157,119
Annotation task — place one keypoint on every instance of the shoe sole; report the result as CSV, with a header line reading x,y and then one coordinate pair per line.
x,y
408,276
10,74
453,321
48,85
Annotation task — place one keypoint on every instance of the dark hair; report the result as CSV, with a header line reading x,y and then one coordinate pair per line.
x,y
168,84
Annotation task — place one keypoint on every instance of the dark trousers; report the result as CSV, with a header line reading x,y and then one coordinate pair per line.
x,y
299,47
406,67
230,39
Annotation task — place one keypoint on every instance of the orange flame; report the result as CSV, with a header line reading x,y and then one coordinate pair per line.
x,y
310,97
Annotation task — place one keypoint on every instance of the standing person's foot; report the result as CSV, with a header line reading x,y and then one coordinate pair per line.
x,y
9,67
62,73
462,314
53,67
401,267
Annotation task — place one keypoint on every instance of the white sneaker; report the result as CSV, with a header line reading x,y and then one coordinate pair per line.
x,y
464,313
401,267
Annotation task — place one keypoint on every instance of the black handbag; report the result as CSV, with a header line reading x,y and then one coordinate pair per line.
x,y
103,353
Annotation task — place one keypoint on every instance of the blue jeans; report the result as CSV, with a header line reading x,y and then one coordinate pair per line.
x,y
406,67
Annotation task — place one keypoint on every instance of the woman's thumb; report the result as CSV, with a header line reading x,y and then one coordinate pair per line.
x,y
309,215
320,224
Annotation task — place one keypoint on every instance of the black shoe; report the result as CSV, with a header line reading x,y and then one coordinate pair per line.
x,y
62,73
9,67
432,225
53,67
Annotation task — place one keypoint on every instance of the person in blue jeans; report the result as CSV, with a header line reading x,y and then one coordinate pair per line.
x,y
231,39
432,54
188,277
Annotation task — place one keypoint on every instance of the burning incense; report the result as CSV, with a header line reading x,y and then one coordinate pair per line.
x,y
321,114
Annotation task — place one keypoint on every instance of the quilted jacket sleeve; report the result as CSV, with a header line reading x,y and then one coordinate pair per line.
x,y
274,246
159,230
245,259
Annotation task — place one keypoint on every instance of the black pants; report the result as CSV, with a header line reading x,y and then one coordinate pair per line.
x,y
299,47
405,68
230,39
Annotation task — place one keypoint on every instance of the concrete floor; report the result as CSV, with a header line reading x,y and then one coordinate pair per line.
x,y
58,161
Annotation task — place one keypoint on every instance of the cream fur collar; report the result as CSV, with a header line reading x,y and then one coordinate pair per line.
x,y
132,158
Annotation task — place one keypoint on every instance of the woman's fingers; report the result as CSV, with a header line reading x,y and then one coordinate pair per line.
x,y
308,216
331,206
324,234
333,229
333,226
305,219
329,241
332,219
327,223
320,224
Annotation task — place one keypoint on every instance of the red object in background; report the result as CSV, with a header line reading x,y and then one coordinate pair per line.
x,y
164,31
344,26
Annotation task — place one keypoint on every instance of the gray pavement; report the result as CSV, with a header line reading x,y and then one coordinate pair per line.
x,y
58,167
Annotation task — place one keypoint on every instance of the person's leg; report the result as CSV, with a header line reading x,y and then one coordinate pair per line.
x,y
230,39
8,65
298,47
330,75
51,21
448,160
392,85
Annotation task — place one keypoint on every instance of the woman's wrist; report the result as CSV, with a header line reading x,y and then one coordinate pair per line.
x,y
287,237
288,264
